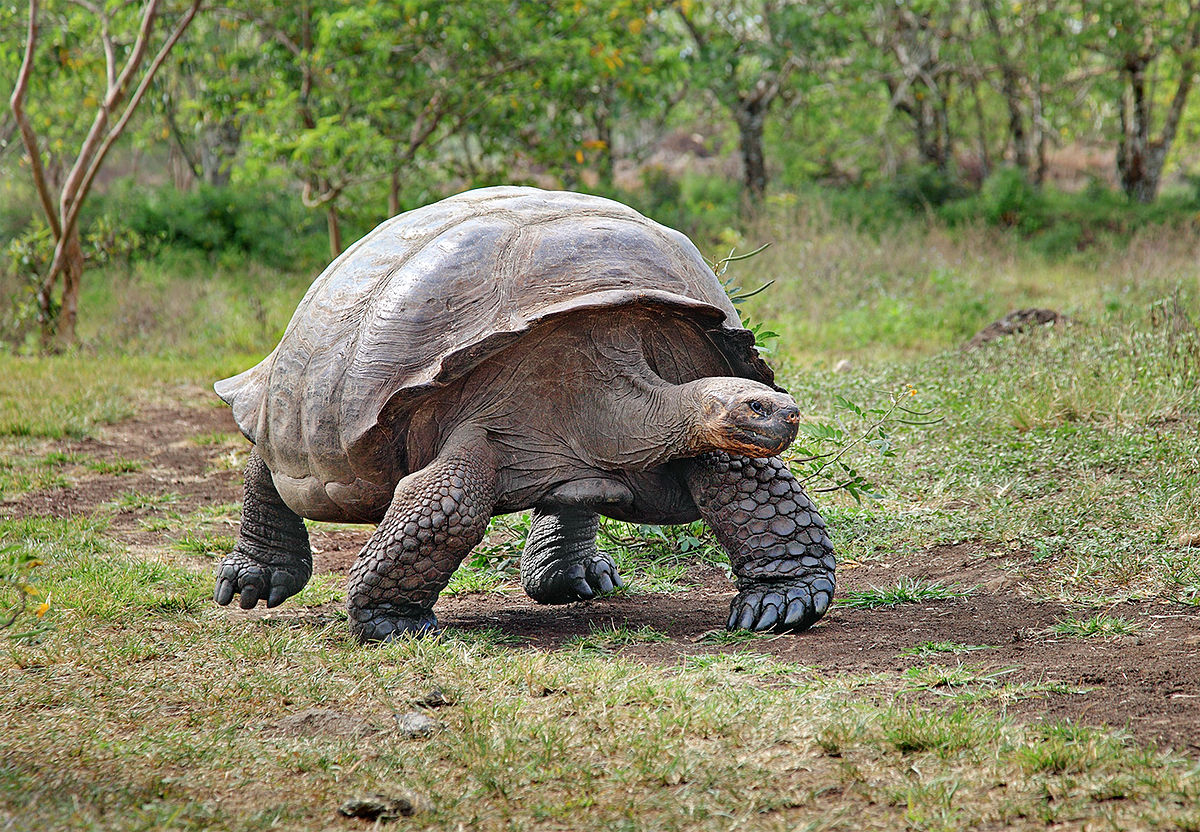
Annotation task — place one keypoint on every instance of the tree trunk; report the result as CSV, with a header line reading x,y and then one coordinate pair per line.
x,y
219,144
72,279
932,130
1140,159
750,115
1010,83
57,321
394,194
603,122
985,158
335,229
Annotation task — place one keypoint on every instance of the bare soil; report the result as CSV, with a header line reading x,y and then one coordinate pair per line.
x,y
1147,684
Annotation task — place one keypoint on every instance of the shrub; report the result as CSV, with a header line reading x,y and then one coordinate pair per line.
x,y
267,224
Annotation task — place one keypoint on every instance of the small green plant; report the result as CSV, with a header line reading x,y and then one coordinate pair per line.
x,y
470,579
500,552
689,539
205,545
819,457
930,648
737,296
217,437
733,637
936,676
116,465
743,661
137,500
483,636
17,590
912,730
1101,625
905,591
660,558
321,589
1066,747
605,639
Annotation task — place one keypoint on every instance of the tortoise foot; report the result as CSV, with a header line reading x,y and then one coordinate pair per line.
x,y
781,606
388,622
565,581
251,579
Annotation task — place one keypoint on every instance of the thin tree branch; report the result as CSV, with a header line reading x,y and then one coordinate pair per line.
x,y
127,113
28,137
276,33
78,186
95,135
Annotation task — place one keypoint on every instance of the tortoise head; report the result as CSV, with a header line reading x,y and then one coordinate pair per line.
x,y
742,417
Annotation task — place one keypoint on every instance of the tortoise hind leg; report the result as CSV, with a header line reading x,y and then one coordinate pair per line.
x,y
560,563
775,538
438,514
272,559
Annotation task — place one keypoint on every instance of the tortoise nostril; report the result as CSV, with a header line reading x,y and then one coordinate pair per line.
x,y
791,415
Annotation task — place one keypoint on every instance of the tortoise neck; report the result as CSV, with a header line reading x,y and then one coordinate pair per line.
x,y
673,413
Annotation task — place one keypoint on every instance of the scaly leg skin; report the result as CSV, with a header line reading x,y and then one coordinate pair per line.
x,y
272,560
560,563
437,516
775,538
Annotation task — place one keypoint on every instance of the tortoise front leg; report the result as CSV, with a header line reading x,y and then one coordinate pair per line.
x,y
438,514
775,538
561,563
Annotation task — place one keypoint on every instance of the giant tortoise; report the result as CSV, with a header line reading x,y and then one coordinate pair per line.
x,y
509,349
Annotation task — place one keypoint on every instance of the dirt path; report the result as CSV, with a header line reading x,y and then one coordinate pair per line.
x,y
1148,683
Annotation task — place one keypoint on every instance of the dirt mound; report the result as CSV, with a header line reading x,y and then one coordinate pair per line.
x,y
1020,320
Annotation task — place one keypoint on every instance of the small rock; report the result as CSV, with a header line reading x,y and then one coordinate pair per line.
x,y
843,366
416,724
434,699
1189,539
385,808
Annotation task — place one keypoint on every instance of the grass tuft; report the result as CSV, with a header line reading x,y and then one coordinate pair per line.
x,y
905,591
911,730
612,636
1098,626
933,648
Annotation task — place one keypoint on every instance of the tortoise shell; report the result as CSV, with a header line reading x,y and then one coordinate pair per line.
x,y
430,294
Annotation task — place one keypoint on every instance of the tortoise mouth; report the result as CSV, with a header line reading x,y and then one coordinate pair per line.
x,y
765,440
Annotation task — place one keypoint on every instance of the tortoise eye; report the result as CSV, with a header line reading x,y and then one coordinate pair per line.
x,y
758,407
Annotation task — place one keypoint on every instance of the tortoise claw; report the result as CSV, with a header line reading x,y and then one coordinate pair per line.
x,y
252,580
565,582
781,606
388,622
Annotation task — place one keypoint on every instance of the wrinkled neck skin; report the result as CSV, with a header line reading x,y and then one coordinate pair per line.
x,y
655,421
674,412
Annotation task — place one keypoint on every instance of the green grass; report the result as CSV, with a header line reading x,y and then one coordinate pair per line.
x,y
936,676
904,591
205,545
22,470
117,465
933,648
131,501
1100,625
610,637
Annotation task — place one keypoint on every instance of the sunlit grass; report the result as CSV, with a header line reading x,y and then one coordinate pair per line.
x,y
1100,625
905,591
